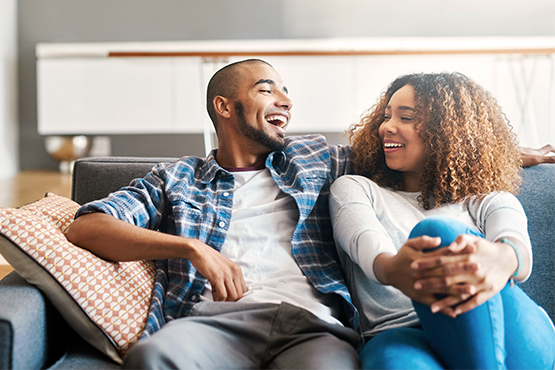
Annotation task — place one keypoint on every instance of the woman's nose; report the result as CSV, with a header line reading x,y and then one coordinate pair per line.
x,y
388,126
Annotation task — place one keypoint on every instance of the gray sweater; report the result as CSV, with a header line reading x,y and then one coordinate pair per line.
x,y
369,220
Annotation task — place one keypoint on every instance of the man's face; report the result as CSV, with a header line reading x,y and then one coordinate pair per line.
x,y
263,106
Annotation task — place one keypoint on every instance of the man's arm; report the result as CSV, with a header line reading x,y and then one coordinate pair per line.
x,y
532,157
116,240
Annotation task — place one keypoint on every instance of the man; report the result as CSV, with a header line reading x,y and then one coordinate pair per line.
x,y
247,272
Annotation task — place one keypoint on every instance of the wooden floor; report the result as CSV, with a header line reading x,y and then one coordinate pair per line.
x,y
27,187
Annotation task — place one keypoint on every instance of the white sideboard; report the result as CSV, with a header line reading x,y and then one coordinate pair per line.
x,y
159,87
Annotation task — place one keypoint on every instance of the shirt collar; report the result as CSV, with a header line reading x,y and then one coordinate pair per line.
x,y
210,168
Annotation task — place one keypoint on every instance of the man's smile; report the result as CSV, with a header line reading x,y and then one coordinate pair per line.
x,y
277,119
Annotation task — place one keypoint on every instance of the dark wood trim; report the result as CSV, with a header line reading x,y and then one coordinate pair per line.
x,y
225,54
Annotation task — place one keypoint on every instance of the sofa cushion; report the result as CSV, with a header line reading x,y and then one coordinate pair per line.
x,y
106,303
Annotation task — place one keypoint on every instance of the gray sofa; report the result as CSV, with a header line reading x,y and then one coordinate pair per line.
x,y
33,335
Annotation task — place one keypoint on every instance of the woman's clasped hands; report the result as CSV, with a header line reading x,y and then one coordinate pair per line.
x,y
451,280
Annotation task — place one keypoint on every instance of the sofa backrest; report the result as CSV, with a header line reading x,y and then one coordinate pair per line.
x,y
95,178
537,195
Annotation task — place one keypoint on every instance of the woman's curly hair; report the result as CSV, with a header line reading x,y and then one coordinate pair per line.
x,y
471,148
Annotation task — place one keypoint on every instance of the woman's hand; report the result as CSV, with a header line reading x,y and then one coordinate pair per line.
x,y
470,261
396,270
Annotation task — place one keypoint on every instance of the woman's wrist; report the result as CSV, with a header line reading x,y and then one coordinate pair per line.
x,y
515,252
382,268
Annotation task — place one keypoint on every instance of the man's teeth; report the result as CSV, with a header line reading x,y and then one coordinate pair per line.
x,y
393,145
277,120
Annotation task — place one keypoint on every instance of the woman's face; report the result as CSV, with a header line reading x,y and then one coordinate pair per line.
x,y
400,134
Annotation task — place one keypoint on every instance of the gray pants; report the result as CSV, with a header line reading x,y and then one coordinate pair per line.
x,y
229,335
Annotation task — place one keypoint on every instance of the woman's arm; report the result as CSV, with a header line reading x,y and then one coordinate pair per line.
x,y
356,227
369,243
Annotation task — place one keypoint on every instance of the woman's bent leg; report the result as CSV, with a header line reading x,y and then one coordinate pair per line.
x,y
474,340
529,332
509,330
400,348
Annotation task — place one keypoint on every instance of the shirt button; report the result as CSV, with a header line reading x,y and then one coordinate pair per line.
x,y
221,224
226,194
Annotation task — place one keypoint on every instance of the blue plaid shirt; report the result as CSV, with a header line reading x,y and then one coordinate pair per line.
x,y
193,198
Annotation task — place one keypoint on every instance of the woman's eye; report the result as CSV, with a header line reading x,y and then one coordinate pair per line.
x,y
386,117
406,119
265,91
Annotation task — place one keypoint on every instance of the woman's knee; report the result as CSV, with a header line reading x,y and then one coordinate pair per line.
x,y
446,228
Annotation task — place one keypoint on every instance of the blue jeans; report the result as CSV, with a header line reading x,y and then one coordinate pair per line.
x,y
509,331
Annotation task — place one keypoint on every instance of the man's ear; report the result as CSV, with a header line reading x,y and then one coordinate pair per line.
x,y
222,106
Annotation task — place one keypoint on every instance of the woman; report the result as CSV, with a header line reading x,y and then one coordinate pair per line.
x,y
431,235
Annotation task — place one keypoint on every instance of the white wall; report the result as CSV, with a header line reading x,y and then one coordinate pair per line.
x,y
8,89
377,18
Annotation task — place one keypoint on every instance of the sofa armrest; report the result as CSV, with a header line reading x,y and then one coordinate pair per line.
x,y
22,325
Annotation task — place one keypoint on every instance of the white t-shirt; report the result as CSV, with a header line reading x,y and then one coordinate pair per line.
x,y
259,240
369,220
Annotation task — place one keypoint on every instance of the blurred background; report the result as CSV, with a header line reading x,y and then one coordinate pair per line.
x,y
25,23
27,169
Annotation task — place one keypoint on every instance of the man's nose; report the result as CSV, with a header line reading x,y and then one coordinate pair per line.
x,y
284,101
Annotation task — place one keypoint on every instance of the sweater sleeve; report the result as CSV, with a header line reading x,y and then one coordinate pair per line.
x,y
357,229
500,215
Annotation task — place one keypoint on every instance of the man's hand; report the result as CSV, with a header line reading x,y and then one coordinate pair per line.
x,y
224,275
532,157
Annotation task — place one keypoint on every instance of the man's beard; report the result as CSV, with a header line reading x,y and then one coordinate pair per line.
x,y
257,135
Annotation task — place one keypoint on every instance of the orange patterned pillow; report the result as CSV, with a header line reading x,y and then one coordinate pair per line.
x,y
106,303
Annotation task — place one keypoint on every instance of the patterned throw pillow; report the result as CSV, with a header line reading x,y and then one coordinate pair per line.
x,y
106,303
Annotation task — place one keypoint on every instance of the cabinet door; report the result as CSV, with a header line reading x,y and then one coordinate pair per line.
x,y
105,95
